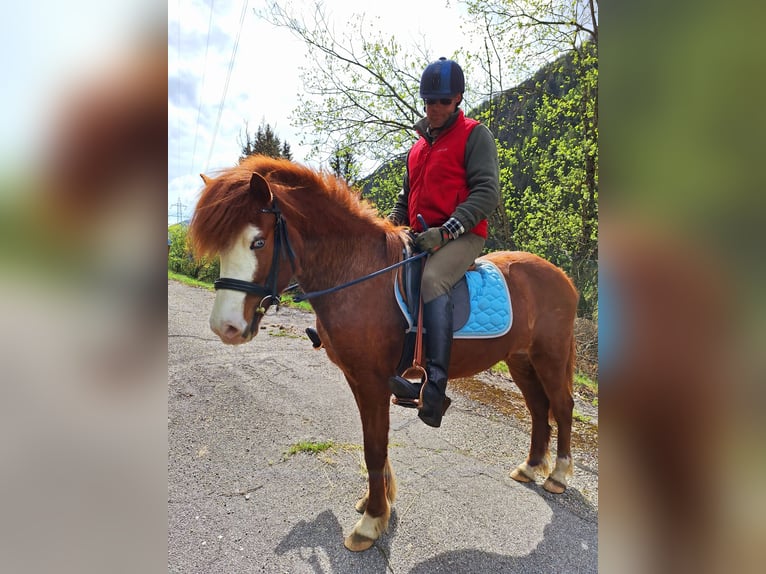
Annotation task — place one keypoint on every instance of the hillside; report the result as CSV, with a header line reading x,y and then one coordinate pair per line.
x,y
547,133
509,115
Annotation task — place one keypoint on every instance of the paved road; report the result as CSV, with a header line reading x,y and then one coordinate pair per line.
x,y
238,503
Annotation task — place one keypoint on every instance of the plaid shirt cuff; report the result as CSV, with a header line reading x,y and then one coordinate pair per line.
x,y
454,227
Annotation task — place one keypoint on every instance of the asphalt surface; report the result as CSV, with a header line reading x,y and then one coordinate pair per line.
x,y
238,501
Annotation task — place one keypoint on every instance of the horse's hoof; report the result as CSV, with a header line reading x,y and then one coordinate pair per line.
x,y
554,486
518,475
357,543
361,504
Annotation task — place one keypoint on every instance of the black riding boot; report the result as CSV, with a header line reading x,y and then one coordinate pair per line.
x,y
437,320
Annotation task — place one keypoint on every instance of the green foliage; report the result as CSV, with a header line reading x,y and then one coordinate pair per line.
x,y
584,381
556,211
500,367
382,187
578,416
181,259
361,94
189,281
344,165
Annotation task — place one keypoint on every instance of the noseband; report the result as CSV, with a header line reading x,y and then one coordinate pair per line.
x,y
269,292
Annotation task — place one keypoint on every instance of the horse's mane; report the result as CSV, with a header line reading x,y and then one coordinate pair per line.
x,y
307,197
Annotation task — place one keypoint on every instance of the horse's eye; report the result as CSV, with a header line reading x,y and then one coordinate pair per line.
x,y
257,243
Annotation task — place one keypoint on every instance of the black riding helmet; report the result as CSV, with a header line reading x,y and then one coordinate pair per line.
x,y
442,79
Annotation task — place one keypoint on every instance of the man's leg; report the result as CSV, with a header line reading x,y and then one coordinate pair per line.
x,y
443,269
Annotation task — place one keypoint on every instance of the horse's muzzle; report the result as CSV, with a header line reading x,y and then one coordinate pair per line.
x,y
235,334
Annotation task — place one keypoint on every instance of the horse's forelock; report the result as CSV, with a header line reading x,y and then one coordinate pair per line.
x,y
223,210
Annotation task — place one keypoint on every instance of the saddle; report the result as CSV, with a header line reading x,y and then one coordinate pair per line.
x,y
482,309
481,301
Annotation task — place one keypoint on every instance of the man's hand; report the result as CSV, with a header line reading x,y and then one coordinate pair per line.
x,y
432,239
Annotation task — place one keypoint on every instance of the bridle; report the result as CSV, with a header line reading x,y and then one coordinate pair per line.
x,y
269,292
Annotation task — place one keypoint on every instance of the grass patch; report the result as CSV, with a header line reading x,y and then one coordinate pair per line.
x,y
581,417
282,332
586,389
580,380
311,447
585,381
322,449
186,280
287,300
500,367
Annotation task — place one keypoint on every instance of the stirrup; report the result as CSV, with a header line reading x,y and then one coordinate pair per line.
x,y
406,392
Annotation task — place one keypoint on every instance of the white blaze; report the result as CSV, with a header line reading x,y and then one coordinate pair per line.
x,y
237,263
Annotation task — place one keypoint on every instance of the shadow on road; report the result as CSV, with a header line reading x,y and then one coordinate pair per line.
x,y
319,543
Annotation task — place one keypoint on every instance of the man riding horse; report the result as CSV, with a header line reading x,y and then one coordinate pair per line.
x,y
452,181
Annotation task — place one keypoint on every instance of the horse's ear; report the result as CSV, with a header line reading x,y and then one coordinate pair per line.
x,y
205,178
259,188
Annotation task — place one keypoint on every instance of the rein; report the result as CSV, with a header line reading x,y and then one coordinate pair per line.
x,y
269,291
313,294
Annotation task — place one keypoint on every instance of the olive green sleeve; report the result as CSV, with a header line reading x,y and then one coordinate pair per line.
x,y
400,212
482,176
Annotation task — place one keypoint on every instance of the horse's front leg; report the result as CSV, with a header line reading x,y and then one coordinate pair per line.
x,y
375,505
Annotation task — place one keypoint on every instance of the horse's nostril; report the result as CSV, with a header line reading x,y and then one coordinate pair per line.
x,y
230,331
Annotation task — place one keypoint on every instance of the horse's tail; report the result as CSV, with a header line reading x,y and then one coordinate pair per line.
x,y
570,368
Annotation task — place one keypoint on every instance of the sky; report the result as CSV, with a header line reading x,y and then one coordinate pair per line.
x,y
214,90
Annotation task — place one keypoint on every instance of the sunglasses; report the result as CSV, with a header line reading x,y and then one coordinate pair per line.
x,y
442,101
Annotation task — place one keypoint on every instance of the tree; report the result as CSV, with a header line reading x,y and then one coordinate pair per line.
x,y
343,164
521,36
360,91
551,191
265,142
286,151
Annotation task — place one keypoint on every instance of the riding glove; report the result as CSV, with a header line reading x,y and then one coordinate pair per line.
x,y
432,239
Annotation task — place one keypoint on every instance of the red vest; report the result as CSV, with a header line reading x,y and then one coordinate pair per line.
x,y
437,176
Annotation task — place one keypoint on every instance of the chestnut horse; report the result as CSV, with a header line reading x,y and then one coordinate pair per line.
x,y
271,220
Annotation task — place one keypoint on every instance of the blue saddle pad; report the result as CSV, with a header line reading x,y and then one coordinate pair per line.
x,y
489,311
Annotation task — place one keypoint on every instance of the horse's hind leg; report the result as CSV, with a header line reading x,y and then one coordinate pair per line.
x,y
525,377
554,371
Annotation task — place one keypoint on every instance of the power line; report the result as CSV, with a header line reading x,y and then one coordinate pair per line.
x,y
202,88
226,85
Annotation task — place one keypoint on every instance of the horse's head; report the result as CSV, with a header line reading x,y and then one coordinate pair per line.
x,y
256,255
